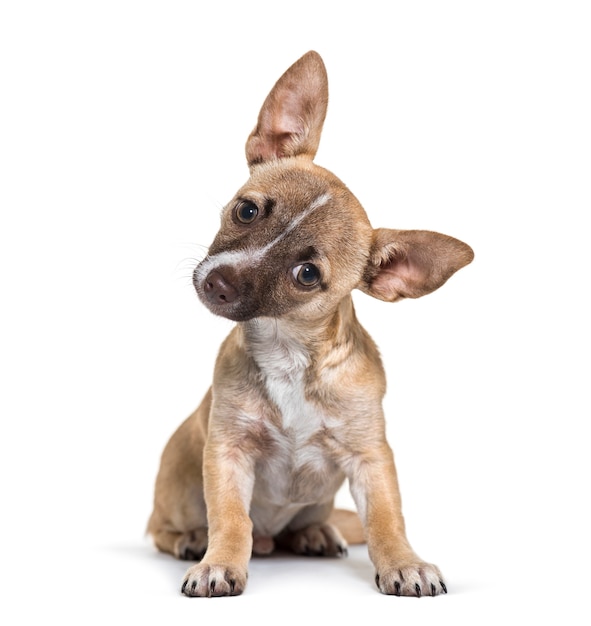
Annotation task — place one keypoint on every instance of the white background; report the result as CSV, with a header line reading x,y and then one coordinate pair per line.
x,y
122,127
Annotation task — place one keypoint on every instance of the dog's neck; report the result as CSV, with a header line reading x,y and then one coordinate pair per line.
x,y
287,346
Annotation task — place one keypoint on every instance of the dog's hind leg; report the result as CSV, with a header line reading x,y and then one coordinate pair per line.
x,y
349,525
178,524
315,540
187,546
309,533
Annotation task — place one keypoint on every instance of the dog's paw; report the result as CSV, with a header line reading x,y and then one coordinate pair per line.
x,y
191,546
417,579
317,540
207,581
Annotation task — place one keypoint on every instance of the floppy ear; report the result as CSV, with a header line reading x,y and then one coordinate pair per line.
x,y
411,263
291,119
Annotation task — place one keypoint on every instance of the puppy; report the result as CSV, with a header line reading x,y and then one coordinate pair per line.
x,y
295,407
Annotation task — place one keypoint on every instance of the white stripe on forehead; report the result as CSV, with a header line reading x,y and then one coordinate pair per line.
x,y
255,255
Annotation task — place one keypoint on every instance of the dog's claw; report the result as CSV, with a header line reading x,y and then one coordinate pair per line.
x,y
377,579
212,581
415,580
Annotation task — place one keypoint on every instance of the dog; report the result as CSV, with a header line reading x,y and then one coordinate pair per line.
x,y
295,407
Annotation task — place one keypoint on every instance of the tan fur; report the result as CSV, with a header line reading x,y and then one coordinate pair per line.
x,y
295,407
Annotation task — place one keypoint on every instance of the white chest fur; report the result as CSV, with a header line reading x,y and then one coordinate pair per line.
x,y
298,473
283,362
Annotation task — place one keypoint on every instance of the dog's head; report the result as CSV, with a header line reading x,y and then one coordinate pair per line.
x,y
294,239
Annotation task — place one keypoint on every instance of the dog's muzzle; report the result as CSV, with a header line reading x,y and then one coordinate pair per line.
x,y
224,293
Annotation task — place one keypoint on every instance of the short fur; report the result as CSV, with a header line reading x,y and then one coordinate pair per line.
x,y
295,407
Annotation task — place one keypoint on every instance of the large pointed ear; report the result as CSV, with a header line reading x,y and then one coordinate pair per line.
x,y
411,263
292,116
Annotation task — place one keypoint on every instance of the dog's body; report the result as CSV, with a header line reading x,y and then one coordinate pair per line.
x,y
296,402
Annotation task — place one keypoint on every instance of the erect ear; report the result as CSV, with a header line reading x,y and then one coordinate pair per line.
x,y
411,263
291,119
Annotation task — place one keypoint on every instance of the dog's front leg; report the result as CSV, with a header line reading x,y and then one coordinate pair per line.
x,y
399,571
228,476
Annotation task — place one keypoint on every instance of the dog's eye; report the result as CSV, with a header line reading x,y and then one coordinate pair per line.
x,y
306,274
246,212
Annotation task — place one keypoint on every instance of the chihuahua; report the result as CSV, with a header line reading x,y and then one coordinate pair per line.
x,y
295,407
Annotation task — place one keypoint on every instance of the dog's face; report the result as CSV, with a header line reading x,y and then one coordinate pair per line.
x,y
293,240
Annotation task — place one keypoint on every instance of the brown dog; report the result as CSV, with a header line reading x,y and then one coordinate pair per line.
x,y
296,402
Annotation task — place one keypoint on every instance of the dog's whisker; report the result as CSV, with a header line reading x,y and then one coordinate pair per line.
x,y
185,268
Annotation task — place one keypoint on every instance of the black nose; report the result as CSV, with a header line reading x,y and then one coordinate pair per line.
x,y
218,289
